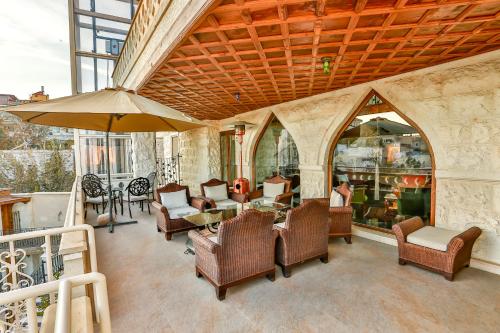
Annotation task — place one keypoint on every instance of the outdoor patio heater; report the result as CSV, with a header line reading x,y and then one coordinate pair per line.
x,y
240,184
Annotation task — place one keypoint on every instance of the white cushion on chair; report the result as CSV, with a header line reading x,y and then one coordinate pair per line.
x,y
272,190
177,213
174,199
226,204
217,193
336,199
432,237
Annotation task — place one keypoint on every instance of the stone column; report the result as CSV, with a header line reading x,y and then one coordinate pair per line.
x,y
143,153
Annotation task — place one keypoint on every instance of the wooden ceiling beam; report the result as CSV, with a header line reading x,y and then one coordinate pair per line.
x,y
270,50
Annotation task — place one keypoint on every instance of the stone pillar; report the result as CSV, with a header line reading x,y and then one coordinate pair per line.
x,y
200,157
143,153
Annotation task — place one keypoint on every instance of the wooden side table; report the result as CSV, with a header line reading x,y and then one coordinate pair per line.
x,y
6,203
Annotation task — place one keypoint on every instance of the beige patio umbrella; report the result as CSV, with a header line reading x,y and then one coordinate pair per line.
x,y
108,110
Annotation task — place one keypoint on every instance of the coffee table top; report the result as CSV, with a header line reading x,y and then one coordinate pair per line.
x,y
216,215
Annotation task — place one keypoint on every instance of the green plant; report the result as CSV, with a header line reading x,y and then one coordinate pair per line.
x,y
55,177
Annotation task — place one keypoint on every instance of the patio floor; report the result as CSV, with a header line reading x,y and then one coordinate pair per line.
x,y
152,288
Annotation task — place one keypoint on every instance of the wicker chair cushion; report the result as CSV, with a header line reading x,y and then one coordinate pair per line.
x,y
272,190
174,199
226,203
217,192
336,199
179,212
432,237
281,225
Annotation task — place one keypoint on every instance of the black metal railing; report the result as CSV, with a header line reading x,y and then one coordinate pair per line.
x,y
40,276
34,242
168,170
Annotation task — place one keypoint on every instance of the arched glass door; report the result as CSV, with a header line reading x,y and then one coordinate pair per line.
x,y
388,165
277,154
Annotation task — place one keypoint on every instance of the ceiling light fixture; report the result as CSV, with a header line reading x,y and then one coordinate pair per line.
x,y
326,64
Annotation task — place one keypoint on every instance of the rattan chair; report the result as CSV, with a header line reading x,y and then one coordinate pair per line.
x,y
303,236
447,263
243,250
233,198
285,198
340,217
169,224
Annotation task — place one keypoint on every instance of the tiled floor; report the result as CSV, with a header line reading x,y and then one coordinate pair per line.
x,y
152,288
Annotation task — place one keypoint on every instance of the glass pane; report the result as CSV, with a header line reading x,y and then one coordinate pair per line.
x,y
120,8
93,155
277,154
388,166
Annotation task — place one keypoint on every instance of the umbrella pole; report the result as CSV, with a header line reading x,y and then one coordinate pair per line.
x,y
110,190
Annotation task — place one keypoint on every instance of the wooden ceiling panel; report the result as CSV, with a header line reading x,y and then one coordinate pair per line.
x,y
270,51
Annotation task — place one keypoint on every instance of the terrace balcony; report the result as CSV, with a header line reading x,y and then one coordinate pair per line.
x,y
361,288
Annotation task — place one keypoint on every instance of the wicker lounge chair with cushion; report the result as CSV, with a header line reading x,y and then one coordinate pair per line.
x,y
275,189
171,203
303,236
242,250
217,193
439,250
340,217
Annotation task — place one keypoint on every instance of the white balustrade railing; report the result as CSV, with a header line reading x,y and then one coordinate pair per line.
x,y
13,264
23,301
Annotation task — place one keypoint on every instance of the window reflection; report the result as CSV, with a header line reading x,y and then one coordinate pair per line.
x,y
387,164
277,154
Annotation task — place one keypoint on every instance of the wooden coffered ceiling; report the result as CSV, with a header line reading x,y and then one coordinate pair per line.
x,y
270,50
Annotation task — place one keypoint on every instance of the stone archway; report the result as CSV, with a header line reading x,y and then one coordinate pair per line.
x,y
389,163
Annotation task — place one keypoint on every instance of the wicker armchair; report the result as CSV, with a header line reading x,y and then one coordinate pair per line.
x,y
303,236
233,197
163,220
340,217
447,263
285,198
244,250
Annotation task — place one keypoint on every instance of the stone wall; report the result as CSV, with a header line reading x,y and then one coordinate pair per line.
x,y
456,105
200,157
144,156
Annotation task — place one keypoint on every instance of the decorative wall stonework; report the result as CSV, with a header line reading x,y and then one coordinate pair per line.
x,y
200,157
143,157
456,105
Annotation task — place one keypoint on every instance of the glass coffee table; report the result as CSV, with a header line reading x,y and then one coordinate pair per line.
x,y
210,218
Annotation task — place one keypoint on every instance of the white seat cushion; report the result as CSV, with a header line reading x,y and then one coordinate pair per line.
x,y
177,213
272,190
213,239
432,237
134,198
174,199
336,199
217,193
223,204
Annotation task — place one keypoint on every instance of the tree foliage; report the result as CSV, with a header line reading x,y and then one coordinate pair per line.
x,y
55,177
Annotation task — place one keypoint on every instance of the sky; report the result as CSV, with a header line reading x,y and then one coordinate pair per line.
x,y
34,47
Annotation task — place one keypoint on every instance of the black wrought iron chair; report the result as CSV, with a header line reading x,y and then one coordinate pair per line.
x,y
95,194
151,178
137,191
92,177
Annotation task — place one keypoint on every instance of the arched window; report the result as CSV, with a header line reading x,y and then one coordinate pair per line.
x,y
276,154
387,162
